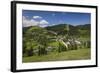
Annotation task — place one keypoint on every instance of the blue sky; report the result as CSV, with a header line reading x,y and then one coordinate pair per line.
x,y
49,18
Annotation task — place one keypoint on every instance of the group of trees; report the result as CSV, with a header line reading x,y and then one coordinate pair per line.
x,y
36,40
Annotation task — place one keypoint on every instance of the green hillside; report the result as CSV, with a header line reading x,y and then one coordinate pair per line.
x,y
39,41
79,30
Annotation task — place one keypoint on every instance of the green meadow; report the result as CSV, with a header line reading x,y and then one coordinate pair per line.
x,y
80,54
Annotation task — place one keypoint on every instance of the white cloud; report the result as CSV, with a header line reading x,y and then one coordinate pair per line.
x,y
43,22
37,17
54,24
31,22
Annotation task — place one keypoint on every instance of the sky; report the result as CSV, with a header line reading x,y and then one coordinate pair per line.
x,y
50,18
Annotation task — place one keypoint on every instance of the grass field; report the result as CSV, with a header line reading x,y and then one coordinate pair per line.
x,y
80,54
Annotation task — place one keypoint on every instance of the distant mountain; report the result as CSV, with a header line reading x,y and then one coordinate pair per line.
x,y
78,30
84,27
60,29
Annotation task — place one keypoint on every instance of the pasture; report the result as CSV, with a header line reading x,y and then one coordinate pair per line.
x,y
79,54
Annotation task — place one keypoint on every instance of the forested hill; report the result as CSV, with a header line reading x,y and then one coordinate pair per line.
x,y
63,29
81,30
